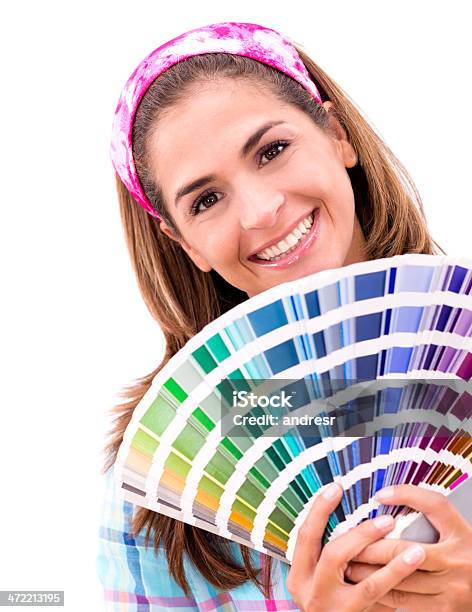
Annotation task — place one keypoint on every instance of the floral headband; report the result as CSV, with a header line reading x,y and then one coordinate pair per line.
x,y
247,39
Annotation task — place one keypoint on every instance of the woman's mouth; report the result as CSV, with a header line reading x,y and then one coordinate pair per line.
x,y
288,250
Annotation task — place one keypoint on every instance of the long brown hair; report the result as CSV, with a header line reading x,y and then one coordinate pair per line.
x,y
390,213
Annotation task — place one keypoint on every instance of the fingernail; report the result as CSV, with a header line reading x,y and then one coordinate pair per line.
x,y
385,494
331,491
348,571
384,521
414,555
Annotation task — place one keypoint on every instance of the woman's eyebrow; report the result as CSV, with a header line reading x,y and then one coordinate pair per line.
x,y
254,139
246,148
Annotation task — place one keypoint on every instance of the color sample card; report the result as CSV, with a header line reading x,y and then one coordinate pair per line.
x,y
360,375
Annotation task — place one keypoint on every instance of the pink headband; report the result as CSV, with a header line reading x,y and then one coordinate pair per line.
x,y
248,39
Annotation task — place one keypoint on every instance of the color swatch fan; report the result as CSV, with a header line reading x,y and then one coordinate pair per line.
x,y
360,375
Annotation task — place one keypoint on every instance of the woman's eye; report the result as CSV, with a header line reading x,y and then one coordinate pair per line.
x,y
206,200
272,150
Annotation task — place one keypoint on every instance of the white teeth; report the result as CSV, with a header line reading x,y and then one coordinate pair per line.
x,y
289,242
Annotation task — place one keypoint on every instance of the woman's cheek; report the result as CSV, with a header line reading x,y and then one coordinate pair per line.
x,y
314,183
221,248
340,208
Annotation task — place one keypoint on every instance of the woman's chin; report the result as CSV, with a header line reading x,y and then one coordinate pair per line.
x,y
314,253
269,279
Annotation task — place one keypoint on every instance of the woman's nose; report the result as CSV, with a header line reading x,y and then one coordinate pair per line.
x,y
259,209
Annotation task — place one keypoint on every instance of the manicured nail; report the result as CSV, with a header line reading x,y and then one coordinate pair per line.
x,y
331,491
383,521
385,494
414,555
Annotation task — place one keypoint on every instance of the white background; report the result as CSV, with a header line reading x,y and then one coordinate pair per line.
x,y
73,325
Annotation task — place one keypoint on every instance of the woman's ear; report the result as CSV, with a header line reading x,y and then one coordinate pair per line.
x,y
193,253
346,150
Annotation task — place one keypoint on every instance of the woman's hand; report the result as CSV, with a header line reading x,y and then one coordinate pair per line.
x,y
444,579
316,578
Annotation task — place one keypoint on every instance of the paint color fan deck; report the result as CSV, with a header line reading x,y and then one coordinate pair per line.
x,y
375,359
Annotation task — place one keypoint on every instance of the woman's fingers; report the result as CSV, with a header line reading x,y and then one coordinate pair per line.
x,y
413,602
439,511
390,573
383,551
426,583
375,587
310,535
337,553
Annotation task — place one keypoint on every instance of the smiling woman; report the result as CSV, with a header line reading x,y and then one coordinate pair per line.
x,y
242,165
240,161
278,202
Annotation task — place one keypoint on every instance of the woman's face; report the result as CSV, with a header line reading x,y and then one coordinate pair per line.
x,y
260,205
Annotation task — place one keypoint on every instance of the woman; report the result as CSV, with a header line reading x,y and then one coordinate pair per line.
x,y
241,165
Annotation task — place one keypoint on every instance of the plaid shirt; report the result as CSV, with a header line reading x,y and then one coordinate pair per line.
x,y
134,579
